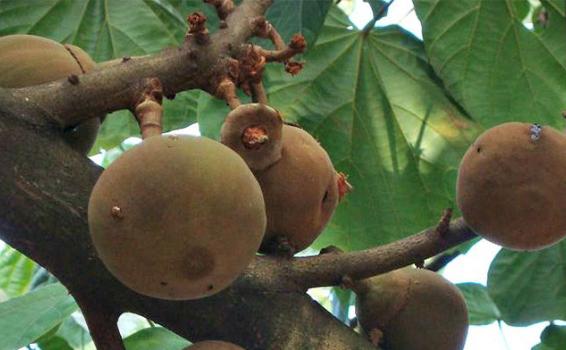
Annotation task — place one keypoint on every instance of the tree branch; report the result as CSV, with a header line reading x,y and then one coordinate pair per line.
x,y
114,87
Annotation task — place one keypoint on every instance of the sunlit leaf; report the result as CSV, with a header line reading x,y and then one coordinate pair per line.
x,y
497,69
375,105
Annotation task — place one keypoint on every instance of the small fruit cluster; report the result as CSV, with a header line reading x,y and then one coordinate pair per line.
x,y
181,217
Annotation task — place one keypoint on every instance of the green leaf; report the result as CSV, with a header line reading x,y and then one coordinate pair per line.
x,y
299,16
521,8
155,338
54,343
377,108
74,334
105,29
377,6
24,319
481,308
529,287
541,346
554,336
495,68
16,272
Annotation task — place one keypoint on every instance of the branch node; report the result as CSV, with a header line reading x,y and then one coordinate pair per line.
x,y
197,28
293,67
443,226
226,90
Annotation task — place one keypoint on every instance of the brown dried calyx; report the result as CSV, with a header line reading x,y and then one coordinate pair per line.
x,y
167,217
27,60
511,187
254,132
411,309
300,192
214,345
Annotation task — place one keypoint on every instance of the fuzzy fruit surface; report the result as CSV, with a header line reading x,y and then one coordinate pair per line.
x,y
414,308
214,345
300,190
511,188
27,60
177,217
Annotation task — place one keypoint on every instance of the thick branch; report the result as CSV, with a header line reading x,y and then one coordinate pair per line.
x,y
114,87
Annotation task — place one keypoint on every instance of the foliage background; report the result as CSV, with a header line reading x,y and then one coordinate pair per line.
x,y
394,112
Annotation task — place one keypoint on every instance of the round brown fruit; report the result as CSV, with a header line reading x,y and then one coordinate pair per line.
x,y
177,217
411,309
27,60
254,131
511,187
214,345
300,191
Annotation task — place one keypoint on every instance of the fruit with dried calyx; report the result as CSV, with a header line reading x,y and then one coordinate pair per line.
x,y
411,309
177,217
27,60
254,131
511,186
301,192
214,345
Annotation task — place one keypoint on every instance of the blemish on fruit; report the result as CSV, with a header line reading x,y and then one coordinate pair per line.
x,y
117,212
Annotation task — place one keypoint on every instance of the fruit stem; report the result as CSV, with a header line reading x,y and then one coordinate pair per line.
x,y
149,115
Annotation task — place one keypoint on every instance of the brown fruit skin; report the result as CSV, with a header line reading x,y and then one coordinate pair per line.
x,y
27,60
254,115
177,217
300,191
415,309
214,345
511,189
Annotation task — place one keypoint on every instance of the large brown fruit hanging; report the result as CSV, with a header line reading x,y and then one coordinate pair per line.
x,y
410,309
511,188
213,345
27,60
300,191
177,217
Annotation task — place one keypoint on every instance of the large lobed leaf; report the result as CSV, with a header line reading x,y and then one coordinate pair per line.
x,y
377,108
497,69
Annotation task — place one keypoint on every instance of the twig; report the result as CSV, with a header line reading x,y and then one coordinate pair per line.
x,y
329,269
227,91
